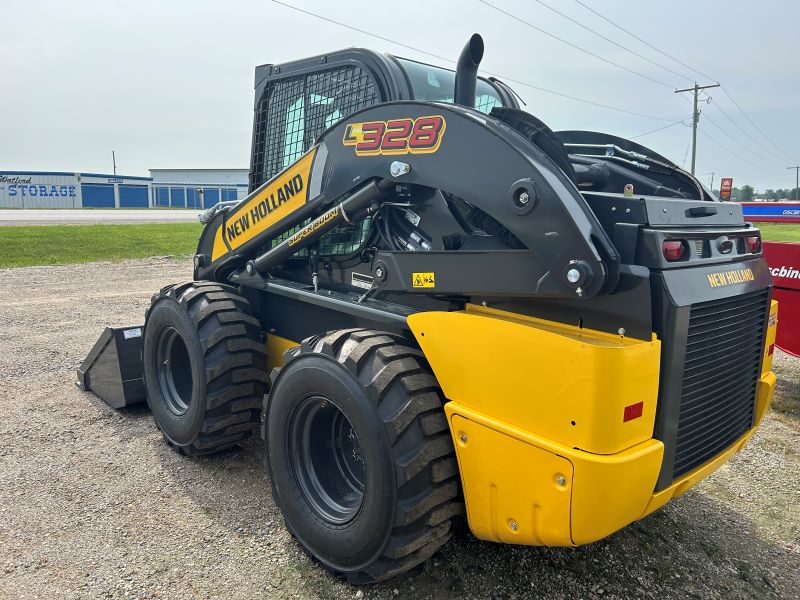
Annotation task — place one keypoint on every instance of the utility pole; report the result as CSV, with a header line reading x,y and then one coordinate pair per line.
x,y
796,180
711,187
695,116
114,160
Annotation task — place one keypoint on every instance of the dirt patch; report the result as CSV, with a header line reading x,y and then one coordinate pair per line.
x,y
94,505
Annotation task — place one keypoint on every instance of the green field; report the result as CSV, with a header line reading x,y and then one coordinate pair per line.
x,y
65,244
779,232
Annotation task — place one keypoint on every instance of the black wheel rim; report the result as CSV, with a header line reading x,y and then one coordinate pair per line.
x,y
174,371
326,459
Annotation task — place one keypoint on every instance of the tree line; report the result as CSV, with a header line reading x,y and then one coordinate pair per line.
x,y
748,193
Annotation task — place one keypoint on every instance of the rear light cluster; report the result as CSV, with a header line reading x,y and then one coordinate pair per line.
x,y
753,244
675,250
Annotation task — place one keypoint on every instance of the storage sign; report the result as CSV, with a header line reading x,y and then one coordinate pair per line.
x,y
41,191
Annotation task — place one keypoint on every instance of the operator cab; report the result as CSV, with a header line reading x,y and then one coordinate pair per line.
x,y
297,101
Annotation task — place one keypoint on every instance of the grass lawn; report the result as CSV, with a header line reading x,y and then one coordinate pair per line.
x,y
779,232
65,244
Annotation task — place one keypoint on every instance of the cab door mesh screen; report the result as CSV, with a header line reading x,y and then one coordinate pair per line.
x,y
295,110
292,113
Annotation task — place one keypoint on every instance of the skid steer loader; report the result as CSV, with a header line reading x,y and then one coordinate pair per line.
x,y
432,306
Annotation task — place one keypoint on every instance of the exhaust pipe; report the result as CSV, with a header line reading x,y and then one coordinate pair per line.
x,y
467,71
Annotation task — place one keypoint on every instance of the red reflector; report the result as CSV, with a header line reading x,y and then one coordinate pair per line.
x,y
673,250
634,411
753,243
771,350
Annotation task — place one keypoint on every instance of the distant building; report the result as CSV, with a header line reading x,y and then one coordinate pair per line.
x,y
184,188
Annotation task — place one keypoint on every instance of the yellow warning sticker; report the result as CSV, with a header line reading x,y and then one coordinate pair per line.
x,y
423,280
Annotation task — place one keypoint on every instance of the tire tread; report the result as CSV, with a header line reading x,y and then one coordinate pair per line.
x,y
398,379
236,377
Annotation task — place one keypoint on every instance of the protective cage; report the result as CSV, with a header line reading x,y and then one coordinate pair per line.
x,y
291,114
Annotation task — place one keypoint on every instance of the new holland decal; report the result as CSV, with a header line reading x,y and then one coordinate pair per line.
x,y
422,135
724,278
272,202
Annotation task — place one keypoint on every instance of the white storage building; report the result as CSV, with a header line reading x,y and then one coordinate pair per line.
x,y
184,188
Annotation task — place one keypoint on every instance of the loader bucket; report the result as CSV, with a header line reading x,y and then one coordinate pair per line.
x,y
113,368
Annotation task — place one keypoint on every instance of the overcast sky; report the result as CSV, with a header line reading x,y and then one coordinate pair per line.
x,y
169,84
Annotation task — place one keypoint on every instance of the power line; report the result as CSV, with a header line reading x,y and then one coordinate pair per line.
x,y
686,154
729,151
502,77
724,89
577,99
736,140
745,132
736,104
609,40
570,44
646,43
633,137
350,27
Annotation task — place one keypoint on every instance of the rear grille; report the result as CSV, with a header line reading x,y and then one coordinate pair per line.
x,y
723,358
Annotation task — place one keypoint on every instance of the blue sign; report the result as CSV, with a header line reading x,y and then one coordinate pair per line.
x,y
772,211
42,191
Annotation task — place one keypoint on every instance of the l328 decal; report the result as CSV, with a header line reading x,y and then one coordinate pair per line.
x,y
397,136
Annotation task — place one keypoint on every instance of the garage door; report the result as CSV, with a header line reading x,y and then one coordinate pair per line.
x,y
133,196
162,196
210,197
178,197
97,195
192,198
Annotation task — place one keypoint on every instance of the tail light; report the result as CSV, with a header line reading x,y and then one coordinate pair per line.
x,y
753,243
674,250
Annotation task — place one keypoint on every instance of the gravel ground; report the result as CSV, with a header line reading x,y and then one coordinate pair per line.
x,y
94,505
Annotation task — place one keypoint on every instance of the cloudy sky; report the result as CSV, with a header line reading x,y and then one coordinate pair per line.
x,y
169,84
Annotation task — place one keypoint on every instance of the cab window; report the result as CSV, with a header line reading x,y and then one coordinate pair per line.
x,y
435,84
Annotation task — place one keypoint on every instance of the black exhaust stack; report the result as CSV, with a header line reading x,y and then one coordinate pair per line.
x,y
467,71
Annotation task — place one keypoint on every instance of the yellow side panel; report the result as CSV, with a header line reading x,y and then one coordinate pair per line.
x,y
611,492
766,387
564,383
274,201
511,487
276,346
555,495
769,343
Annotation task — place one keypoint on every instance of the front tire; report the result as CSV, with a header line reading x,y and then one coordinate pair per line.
x,y
204,366
359,454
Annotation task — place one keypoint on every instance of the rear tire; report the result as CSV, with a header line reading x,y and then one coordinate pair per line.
x,y
359,454
204,366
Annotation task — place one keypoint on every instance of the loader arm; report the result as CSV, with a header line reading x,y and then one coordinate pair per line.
x,y
559,248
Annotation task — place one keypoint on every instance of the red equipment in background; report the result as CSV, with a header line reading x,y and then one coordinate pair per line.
x,y
783,259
